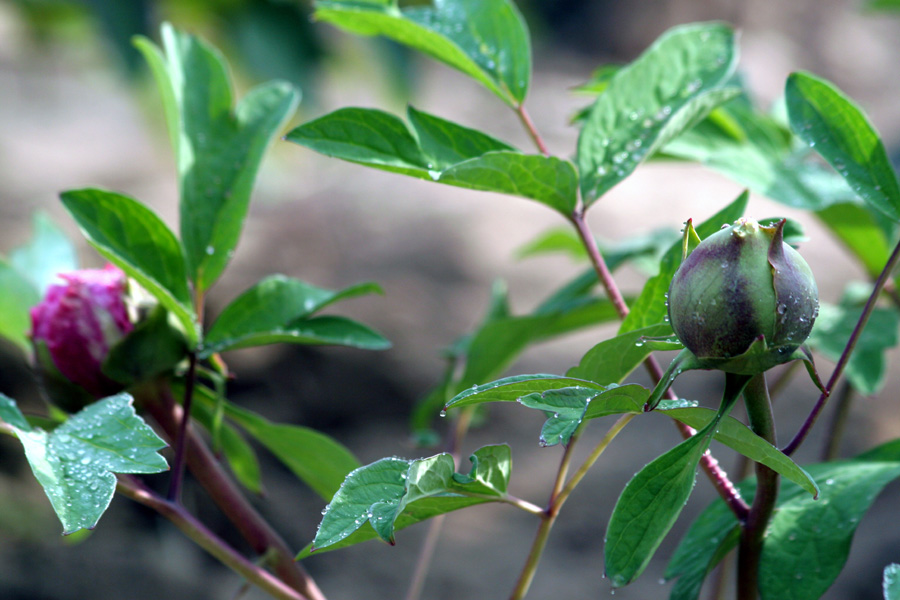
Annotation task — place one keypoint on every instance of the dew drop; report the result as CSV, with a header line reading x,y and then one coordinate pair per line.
x,y
781,309
210,250
443,413
620,157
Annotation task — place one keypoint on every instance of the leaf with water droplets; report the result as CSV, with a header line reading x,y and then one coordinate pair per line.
x,y
278,309
485,39
389,494
76,462
891,582
667,90
218,146
510,389
825,118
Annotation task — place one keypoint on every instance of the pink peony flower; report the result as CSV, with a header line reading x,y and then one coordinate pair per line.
x,y
79,321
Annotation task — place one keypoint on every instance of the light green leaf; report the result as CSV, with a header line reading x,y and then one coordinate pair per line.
x,y
379,494
18,297
485,39
650,307
277,307
218,148
612,360
741,438
444,143
130,235
48,253
667,90
829,121
857,229
891,582
76,462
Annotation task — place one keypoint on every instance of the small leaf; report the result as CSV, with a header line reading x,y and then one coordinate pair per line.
x,y
218,148
561,240
485,39
650,307
48,253
76,462
491,468
667,90
826,119
891,582
18,297
270,308
130,235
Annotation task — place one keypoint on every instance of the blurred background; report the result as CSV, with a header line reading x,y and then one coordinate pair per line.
x,y
78,108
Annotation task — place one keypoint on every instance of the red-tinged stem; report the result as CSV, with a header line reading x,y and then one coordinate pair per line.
x,y
845,355
708,463
203,537
531,129
158,401
178,464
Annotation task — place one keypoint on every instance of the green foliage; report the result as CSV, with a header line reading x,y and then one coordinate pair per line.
x,y
631,120
891,582
48,253
441,151
485,39
830,122
76,462
18,296
217,148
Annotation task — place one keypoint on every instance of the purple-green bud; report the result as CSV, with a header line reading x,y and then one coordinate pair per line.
x,y
740,286
78,321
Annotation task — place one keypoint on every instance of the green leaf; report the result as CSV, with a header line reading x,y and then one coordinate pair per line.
x,y
741,438
866,368
510,389
667,90
891,582
441,151
218,148
277,309
315,458
823,117
650,307
379,493
155,346
655,496
18,297
76,462
485,39
48,253
130,235
612,360
857,229
561,240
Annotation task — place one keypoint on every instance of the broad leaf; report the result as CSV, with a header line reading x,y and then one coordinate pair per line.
x,y
655,496
612,360
650,307
155,346
441,151
18,297
866,368
270,308
826,119
48,253
510,389
485,39
741,438
667,90
378,494
130,235
76,462
218,147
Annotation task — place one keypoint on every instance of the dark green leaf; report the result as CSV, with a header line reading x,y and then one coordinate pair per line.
x,y
48,253
130,235
857,229
18,297
379,493
444,143
155,346
866,368
668,89
891,582
510,389
485,39
650,307
826,119
76,462
740,438
271,307
612,360
218,148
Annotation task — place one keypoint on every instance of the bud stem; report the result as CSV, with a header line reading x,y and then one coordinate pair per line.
x,y
178,465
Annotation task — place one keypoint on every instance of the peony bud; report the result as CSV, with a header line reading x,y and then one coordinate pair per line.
x,y
77,322
743,287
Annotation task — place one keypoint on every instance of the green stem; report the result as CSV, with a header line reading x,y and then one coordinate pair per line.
x,y
753,529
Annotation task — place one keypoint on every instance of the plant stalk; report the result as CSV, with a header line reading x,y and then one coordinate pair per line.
x,y
157,399
178,464
753,529
131,487
531,129
845,355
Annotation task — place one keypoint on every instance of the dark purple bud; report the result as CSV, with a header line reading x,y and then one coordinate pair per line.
x,y
78,321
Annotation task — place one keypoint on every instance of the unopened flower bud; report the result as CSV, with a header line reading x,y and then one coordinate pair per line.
x,y
77,322
740,286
